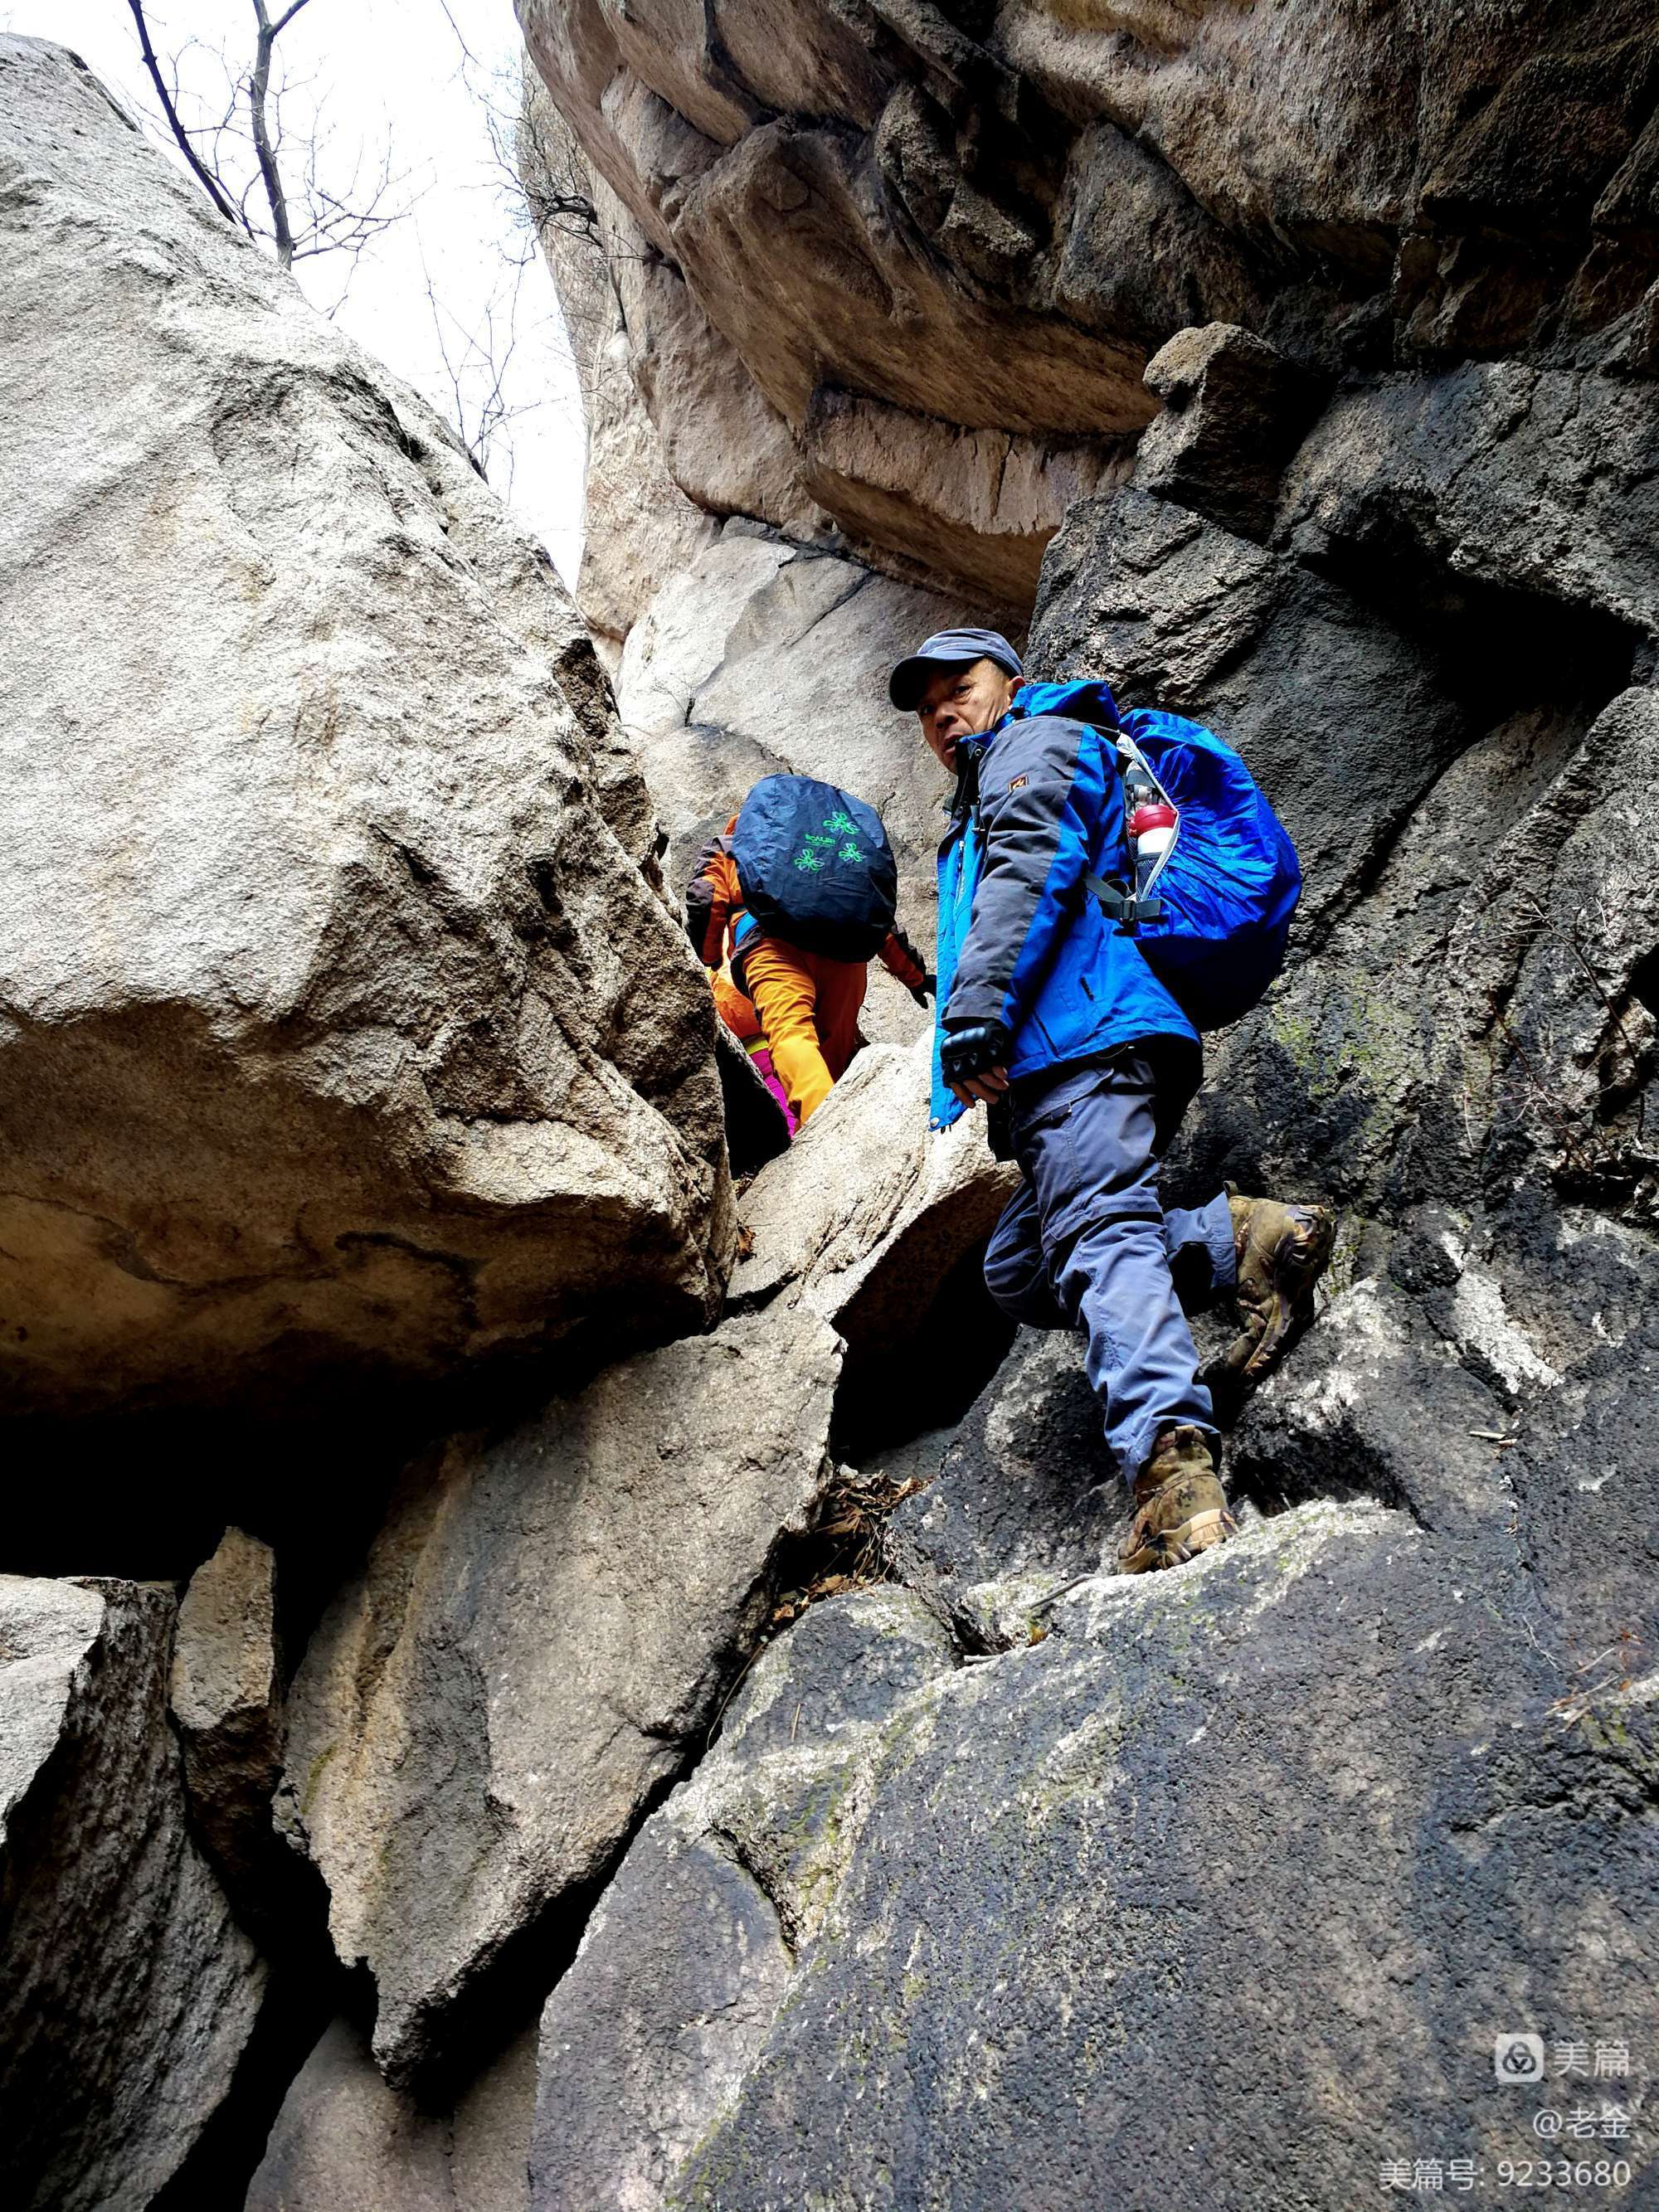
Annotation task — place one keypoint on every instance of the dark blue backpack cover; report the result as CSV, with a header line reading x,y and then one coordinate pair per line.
x,y
1232,881
815,867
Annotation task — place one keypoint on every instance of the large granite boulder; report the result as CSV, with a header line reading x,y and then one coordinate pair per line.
x,y
692,1950
128,1993
546,1622
340,1028
533,1651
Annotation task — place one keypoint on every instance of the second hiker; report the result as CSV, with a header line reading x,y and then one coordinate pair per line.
x,y
1052,1014
801,887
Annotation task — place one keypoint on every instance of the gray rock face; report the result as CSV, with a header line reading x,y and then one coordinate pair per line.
x,y
340,1028
343,2141
226,1700
128,1993
1377,1404
648,2038
1430,670
928,1920
878,1223
638,528
1298,1815
1343,715
1025,1485
1534,480
545,1622
932,243
537,1642
1329,1810
1234,411
973,507
722,443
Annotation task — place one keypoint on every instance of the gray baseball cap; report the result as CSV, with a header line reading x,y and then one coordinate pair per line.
x,y
948,648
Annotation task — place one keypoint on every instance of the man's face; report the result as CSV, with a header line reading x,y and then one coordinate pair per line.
x,y
962,702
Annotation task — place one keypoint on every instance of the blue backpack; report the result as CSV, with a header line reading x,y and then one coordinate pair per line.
x,y
815,867
1213,922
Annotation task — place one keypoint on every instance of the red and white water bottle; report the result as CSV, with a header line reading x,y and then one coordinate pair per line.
x,y
1152,826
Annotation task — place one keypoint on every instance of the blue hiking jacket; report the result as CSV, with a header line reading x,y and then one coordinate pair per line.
x,y
1039,804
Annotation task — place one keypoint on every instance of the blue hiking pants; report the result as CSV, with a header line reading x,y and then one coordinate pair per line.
x,y
1084,1244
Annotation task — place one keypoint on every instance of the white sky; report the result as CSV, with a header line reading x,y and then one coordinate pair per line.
x,y
396,66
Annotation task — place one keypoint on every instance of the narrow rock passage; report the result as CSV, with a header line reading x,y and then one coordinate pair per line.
x,y
555,1654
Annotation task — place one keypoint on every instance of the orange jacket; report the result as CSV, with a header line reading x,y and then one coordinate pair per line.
x,y
713,907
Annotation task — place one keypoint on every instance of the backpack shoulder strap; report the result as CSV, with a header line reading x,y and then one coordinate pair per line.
x,y
1121,905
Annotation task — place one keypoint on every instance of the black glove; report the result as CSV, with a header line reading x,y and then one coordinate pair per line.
x,y
923,991
973,1049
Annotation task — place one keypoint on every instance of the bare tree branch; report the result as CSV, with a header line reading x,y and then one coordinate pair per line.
x,y
262,149
258,91
459,40
262,172
477,364
169,108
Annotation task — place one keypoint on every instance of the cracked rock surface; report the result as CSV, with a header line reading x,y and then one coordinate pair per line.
x,y
534,1648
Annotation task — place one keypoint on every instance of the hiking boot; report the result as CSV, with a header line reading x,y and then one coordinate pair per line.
x,y
1183,1508
1282,1251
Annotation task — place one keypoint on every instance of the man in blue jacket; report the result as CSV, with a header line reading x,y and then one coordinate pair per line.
x,y
1049,1015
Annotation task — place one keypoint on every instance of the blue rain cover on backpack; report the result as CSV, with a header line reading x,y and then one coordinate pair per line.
x,y
815,867
1232,881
